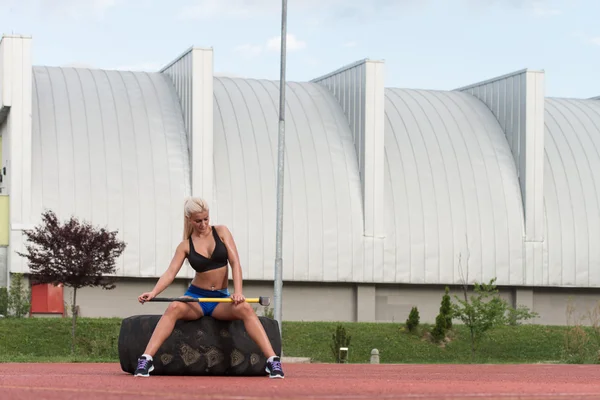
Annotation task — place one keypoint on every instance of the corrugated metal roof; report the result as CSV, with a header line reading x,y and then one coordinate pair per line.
x,y
571,193
110,147
451,187
323,212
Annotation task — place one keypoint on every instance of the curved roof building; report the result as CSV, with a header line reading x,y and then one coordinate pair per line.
x,y
322,211
110,147
451,188
571,194
389,193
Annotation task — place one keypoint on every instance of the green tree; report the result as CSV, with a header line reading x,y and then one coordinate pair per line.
x,y
75,254
485,310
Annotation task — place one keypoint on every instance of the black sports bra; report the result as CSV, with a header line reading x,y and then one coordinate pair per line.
x,y
217,260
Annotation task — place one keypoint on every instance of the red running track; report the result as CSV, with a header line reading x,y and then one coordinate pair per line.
x,y
307,381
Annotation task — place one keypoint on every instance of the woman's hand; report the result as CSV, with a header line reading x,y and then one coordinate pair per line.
x,y
146,297
237,298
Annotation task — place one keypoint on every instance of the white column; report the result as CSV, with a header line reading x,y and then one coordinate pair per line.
x,y
16,92
192,77
374,157
359,89
518,102
202,125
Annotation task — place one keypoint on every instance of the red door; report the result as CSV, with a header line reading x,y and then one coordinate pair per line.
x,y
47,299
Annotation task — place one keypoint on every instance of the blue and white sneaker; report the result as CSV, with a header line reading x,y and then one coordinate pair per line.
x,y
274,369
144,367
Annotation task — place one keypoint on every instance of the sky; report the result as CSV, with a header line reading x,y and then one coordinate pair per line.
x,y
426,44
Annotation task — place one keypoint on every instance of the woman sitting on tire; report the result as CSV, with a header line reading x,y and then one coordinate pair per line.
x,y
208,249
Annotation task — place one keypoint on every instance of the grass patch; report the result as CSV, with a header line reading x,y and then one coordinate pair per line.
x,y
48,340
506,344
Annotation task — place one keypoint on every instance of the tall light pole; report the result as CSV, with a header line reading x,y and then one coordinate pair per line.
x,y
280,163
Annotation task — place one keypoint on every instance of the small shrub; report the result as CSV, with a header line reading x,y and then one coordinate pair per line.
x,y
3,301
443,321
521,313
413,320
269,312
576,344
438,333
19,297
446,308
581,344
339,339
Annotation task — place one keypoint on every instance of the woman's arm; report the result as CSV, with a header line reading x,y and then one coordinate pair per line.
x,y
234,258
169,275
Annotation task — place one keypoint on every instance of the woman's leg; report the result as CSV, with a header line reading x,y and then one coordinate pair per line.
x,y
175,311
243,311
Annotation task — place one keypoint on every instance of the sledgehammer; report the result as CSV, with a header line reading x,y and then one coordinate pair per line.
x,y
263,301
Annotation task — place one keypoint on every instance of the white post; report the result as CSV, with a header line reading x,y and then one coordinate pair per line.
x,y
278,284
374,356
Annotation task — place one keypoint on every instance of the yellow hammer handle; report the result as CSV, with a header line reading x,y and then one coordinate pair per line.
x,y
226,300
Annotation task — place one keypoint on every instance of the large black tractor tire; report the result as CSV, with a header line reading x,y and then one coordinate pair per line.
x,y
202,347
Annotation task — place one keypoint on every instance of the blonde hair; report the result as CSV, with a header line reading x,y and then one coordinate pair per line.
x,y
191,206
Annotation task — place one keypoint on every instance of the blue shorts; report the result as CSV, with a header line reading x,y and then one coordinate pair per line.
x,y
197,293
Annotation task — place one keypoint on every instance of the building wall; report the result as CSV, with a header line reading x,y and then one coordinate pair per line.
x,y
517,102
359,90
452,195
4,220
4,205
571,194
343,301
192,76
110,148
323,228
348,86
16,86
382,201
5,155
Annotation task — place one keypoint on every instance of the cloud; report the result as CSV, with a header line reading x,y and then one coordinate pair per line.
x,y
141,67
247,9
249,50
76,64
322,12
291,43
273,44
61,8
539,9
208,9
585,38
226,74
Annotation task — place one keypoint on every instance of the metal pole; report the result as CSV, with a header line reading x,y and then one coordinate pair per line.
x,y
280,163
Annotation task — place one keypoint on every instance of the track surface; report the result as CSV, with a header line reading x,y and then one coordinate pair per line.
x,y
307,381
